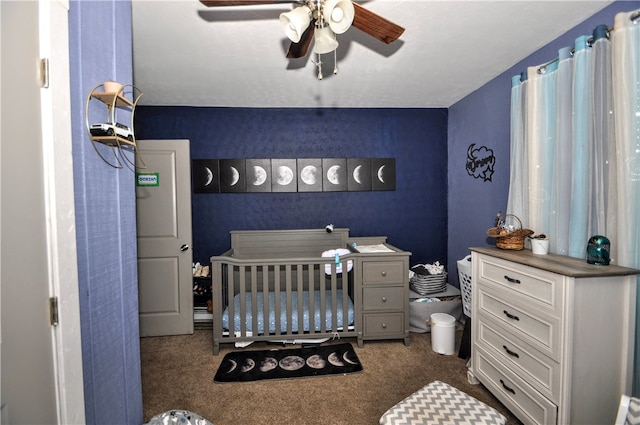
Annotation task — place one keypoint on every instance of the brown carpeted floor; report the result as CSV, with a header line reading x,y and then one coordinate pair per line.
x,y
177,373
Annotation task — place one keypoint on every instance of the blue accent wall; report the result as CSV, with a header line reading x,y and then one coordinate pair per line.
x,y
100,50
413,217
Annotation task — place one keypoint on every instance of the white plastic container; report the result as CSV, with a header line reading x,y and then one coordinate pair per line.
x,y
443,332
540,246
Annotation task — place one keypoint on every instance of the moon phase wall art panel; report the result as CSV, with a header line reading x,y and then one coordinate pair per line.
x,y
358,174
258,175
309,175
284,175
334,177
383,174
261,175
206,176
232,175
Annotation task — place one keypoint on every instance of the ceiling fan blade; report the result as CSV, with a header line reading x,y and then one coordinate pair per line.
x,y
215,3
300,49
375,25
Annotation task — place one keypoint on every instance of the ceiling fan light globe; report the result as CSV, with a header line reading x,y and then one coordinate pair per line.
x,y
325,41
294,23
339,14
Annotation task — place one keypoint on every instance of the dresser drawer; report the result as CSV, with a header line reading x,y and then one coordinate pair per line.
x,y
380,325
528,404
533,285
383,272
383,298
540,330
537,369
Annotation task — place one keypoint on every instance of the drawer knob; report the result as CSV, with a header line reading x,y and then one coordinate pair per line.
x,y
511,353
384,326
383,273
506,387
384,299
510,316
512,280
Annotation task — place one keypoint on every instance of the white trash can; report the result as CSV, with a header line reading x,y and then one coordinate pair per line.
x,y
443,332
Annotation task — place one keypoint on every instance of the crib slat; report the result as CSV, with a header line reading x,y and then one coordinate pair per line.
x,y
243,301
278,306
231,310
300,294
323,304
345,300
311,284
334,299
253,277
265,297
289,309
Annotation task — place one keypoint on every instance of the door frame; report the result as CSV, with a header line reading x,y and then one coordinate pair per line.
x,y
57,168
60,202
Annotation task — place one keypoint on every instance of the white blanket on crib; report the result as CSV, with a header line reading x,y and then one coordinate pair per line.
x,y
332,253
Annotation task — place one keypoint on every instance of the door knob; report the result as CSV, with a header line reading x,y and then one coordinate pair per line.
x,y
184,247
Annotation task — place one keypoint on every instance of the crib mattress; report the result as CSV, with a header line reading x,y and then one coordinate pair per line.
x,y
284,318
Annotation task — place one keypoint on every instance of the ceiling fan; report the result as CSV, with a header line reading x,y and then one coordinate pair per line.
x,y
321,20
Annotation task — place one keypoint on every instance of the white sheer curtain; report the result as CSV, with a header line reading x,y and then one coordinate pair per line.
x,y
575,147
626,94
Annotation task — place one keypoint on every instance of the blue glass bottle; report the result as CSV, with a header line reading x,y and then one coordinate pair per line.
x,y
598,250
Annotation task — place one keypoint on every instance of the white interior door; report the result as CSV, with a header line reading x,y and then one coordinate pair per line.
x,y
165,277
41,365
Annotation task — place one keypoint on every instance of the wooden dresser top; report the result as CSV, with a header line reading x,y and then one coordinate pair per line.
x,y
560,264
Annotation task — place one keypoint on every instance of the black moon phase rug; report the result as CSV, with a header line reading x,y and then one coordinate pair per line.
x,y
319,360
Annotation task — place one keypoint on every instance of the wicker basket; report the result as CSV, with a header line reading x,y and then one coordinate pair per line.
x,y
513,240
426,284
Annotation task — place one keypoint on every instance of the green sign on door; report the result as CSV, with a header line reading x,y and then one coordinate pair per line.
x,y
147,179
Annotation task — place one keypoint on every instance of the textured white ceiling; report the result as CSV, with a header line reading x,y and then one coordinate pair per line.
x,y
187,54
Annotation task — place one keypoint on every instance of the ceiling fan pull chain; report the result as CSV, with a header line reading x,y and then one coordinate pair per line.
x,y
319,65
335,62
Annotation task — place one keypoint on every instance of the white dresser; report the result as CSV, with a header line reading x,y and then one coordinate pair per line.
x,y
552,336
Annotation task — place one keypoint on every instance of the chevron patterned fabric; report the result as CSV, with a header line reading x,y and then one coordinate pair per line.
x,y
441,404
633,414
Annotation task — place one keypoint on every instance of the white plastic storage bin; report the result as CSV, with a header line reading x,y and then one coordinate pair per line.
x,y
464,275
421,308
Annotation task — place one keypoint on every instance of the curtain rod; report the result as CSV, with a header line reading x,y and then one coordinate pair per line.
x,y
633,18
